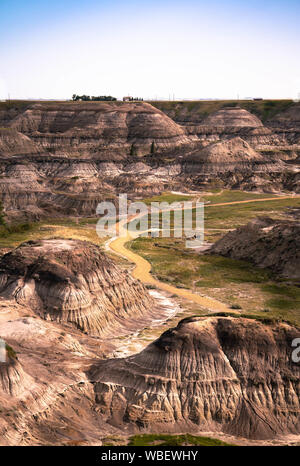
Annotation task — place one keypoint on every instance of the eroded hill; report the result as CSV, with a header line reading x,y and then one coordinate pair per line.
x,y
266,243
77,154
215,374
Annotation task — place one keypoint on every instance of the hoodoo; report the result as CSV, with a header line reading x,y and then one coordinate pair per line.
x,y
234,375
13,379
72,281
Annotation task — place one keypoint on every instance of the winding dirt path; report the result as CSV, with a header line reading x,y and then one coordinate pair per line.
x,y
142,270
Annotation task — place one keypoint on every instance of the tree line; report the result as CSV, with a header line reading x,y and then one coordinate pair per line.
x,y
88,98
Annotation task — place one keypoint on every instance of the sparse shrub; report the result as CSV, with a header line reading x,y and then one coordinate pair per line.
x,y
152,148
10,352
235,306
150,287
2,221
133,150
7,230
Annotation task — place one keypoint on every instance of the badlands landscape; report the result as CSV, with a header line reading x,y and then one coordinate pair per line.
x,y
141,340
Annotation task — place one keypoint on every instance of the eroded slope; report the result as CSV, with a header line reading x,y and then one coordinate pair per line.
x,y
230,374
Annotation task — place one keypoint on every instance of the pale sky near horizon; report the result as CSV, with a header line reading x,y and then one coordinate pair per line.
x,y
155,49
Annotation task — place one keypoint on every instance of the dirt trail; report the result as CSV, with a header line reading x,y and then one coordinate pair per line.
x,y
251,200
142,270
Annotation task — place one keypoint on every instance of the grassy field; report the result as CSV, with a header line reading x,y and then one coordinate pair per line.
x,y
64,228
214,197
146,440
220,219
167,197
232,216
236,283
227,195
174,440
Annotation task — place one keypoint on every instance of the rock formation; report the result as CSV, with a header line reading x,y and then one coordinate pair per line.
x,y
266,243
266,123
77,154
13,379
23,190
234,163
216,374
232,117
72,281
14,143
45,396
233,154
99,130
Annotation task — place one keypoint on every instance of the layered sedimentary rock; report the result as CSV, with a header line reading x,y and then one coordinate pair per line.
x,y
214,373
22,190
287,125
14,143
45,396
72,281
13,379
288,119
100,130
232,154
234,163
266,243
232,117
236,121
75,155
271,126
80,152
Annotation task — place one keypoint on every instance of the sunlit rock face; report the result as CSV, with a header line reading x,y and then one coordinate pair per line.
x,y
100,130
72,281
13,379
225,374
13,142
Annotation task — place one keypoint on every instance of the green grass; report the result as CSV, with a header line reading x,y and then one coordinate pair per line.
x,y
174,440
219,219
234,196
198,110
20,228
10,352
232,216
167,197
84,229
261,317
172,262
238,283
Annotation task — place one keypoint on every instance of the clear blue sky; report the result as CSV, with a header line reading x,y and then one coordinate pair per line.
x,y
190,49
